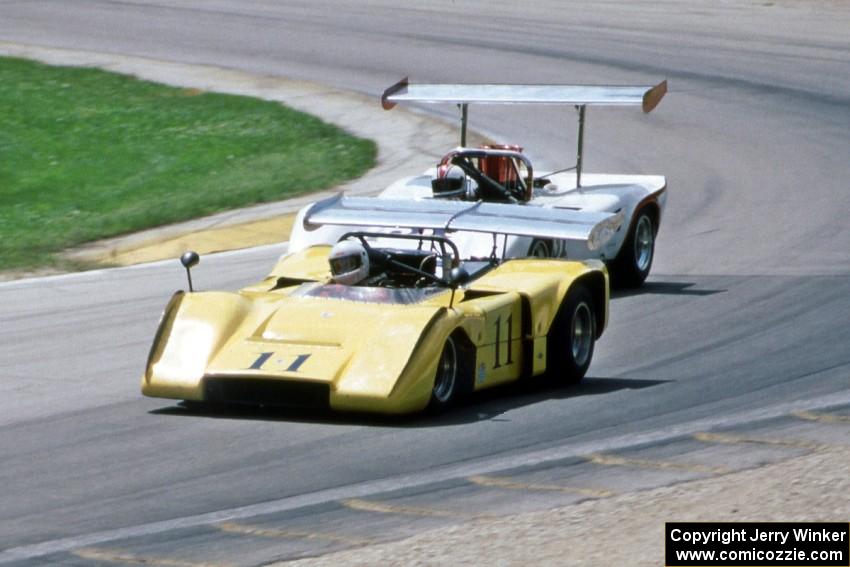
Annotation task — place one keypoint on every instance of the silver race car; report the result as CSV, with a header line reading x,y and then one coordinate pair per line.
x,y
613,217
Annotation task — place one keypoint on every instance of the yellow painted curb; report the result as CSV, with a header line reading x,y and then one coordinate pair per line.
x,y
508,484
741,439
617,461
822,417
384,508
257,531
233,237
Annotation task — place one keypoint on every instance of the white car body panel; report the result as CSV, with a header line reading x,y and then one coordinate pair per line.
x,y
599,193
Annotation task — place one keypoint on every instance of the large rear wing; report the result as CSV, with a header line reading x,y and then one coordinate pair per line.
x,y
580,96
444,215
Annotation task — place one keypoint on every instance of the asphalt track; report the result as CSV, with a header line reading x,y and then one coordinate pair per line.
x,y
745,318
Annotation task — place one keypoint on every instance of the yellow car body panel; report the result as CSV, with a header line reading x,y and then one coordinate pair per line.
x,y
290,340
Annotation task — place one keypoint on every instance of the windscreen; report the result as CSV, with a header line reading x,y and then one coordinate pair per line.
x,y
365,294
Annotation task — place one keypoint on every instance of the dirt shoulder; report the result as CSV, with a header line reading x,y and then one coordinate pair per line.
x,y
626,529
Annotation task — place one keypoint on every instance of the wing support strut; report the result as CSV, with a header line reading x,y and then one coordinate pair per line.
x,y
581,96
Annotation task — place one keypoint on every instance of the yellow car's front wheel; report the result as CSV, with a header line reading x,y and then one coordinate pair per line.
x,y
447,379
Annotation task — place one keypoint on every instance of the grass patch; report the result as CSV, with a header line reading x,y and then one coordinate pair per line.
x,y
86,154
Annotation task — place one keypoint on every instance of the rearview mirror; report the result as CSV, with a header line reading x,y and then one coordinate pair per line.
x,y
458,276
189,260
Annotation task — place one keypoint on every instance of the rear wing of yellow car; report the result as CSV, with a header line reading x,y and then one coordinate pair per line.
x,y
595,228
580,96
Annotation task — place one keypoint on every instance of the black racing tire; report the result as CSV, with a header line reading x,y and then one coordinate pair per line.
x,y
447,380
633,263
540,249
572,337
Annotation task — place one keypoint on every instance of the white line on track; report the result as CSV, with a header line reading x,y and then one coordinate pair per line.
x,y
90,274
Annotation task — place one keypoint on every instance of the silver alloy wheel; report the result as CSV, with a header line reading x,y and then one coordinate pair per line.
x,y
444,381
581,334
643,243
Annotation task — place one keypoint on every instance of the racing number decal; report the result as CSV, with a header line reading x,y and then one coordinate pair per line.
x,y
260,361
264,356
296,364
498,324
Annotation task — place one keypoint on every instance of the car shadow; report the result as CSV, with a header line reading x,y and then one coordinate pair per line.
x,y
664,288
491,403
481,406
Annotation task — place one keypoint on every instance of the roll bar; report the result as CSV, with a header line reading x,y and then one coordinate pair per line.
x,y
479,153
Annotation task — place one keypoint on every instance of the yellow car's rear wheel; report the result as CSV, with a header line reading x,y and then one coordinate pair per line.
x,y
572,337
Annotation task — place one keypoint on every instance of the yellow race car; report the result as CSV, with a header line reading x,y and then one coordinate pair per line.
x,y
373,325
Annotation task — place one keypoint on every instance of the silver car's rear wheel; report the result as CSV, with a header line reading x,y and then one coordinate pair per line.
x,y
633,263
644,244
